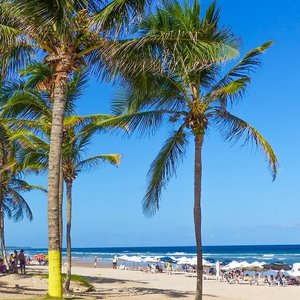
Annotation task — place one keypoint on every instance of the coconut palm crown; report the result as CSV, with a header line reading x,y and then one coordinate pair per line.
x,y
193,95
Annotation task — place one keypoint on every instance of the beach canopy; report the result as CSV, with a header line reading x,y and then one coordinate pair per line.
x,y
232,265
277,267
39,256
123,257
244,265
151,259
295,272
135,258
168,259
192,261
256,266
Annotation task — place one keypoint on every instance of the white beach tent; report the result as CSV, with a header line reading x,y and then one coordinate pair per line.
x,y
232,265
244,265
183,261
192,261
136,259
256,266
150,259
123,257
295,272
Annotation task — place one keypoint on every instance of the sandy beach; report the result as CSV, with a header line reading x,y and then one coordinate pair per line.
x,y
128,284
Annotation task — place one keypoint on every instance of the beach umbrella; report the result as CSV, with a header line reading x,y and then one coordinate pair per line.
x,y
136,259
295,272
183,261
256,266
206,263
150,259
167,259
244,265
123,257
277,267
232,265
39,256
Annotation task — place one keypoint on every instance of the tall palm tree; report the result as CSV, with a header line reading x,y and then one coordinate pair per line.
x,y
30,108
76,140
192,95
28,104
12,203
68,34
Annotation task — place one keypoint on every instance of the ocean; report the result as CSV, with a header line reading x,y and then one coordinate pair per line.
x,y
263,253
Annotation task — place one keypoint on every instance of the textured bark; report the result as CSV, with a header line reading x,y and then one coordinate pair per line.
x,y
68,235
59,95
2,239
2,236
61,200
197,214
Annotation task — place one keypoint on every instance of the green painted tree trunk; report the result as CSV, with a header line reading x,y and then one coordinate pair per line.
x,y
197,214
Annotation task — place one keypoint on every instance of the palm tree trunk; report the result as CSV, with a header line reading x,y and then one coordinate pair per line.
x,y
69,249
59,95
197,213
60,200
2,237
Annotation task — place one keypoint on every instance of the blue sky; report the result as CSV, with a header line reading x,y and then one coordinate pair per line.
x,y
241,204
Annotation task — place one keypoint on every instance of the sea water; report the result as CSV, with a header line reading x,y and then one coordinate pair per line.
x,y
263,253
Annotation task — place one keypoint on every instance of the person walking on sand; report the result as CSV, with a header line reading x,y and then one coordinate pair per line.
x,y
95,261
22,260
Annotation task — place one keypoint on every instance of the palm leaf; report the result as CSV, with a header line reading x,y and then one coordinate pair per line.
x,y
95,161
234,128
163,168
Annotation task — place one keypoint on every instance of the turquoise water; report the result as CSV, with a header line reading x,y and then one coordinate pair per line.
x,y
268,253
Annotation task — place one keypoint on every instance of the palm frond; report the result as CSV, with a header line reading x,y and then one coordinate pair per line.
x,y
117,14
143,122
242,69
234,129
163,168
95,161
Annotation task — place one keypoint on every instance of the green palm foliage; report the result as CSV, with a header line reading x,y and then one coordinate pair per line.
x,y
77,138
28,109
12,186
193,94
67,34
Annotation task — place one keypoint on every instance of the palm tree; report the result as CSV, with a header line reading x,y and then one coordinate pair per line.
x,y
28,104
68,34
76,140
30,109
192,95
12,186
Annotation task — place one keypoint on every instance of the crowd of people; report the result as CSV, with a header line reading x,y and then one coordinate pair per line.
x,y
15,262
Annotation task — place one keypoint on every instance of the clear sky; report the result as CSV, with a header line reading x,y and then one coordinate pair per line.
x,y
241,204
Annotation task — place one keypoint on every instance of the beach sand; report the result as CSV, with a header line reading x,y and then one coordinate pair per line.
x,y
134,285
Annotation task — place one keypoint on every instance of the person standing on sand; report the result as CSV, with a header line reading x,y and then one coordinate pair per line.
x,y
114,262
22,260
15,261
95,261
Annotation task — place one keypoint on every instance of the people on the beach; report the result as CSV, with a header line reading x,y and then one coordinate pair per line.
x,y
169,268
2,266
95,261
13,262
114,262
22,261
